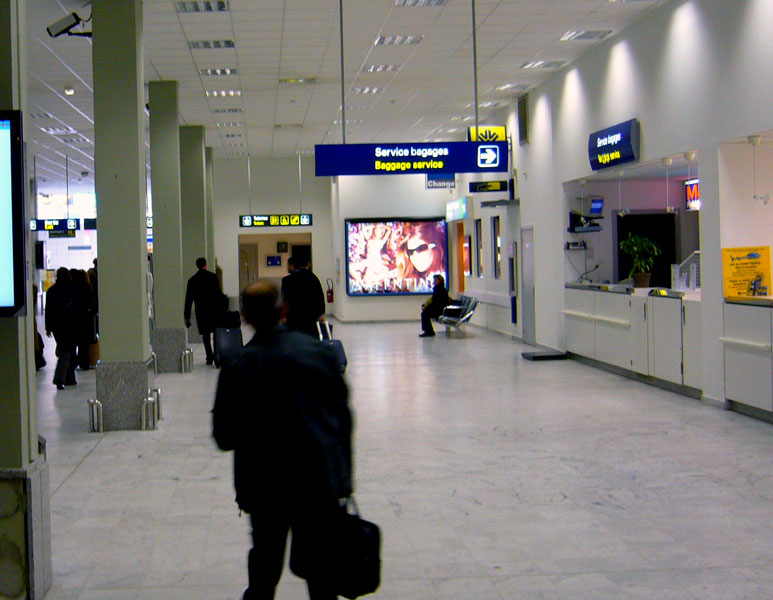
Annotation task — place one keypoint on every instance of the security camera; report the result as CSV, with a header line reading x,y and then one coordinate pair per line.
x,y
66,25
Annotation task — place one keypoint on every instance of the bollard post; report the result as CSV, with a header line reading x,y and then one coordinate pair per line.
x,y
148,415
157,393
187,360
155,362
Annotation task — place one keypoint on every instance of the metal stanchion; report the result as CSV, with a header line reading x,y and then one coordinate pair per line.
x,y
95,415
187,360
156,393
148,416
155,362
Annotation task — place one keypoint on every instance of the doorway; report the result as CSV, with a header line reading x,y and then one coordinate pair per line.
x,y
264,255
527,287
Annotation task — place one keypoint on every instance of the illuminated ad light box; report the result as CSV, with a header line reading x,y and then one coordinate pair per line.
x,y
491,133
13,226
692,194
410,159
456,210
614,145
395,256
288,220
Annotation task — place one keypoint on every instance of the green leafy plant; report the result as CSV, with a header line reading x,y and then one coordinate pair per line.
x,y
643,252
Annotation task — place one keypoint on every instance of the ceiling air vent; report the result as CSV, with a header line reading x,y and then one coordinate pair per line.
x,y
544,64
585,36
397,40
202,6
210,44
421,2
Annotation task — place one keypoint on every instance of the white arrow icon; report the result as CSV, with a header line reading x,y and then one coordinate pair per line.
x,y
488,156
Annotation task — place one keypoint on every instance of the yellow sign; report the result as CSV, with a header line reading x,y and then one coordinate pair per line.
x,y
496,133
746,271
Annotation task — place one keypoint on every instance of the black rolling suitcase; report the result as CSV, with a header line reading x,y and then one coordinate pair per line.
x,y
336,345
228,341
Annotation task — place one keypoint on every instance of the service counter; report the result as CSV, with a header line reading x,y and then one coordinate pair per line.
x,y
650,336
747,340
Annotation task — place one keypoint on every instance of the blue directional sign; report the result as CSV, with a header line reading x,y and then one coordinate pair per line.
x,y
54,224
409,158
614,145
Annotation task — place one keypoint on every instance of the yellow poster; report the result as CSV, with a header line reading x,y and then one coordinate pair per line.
x,y
496,133
746,271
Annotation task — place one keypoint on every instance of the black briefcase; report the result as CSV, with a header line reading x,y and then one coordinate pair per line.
x,y
345,555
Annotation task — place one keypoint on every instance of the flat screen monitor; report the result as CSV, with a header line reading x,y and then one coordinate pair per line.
x,y
395,256
13,226
596,206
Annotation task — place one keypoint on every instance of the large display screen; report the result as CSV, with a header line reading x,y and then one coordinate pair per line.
x,y
393,256
12,221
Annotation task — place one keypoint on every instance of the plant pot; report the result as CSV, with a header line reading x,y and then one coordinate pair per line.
x,y
641,280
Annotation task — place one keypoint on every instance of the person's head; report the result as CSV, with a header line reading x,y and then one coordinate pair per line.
x,y
201,263
438,280
95,263
423,250
261,305
291,264
63,275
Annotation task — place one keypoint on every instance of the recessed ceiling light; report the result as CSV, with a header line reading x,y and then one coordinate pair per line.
x,y
229,110
367,90
236,145
487,104
515,87
348,121
380,68
298,80
397,40
543,64
232,124
202,6
453,130
210,44
68,91
585,36
223,71
43,115
65,130
223,93
232,136
421,2
468,119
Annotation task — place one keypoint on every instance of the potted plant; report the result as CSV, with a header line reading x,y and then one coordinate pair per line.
x,y
643,252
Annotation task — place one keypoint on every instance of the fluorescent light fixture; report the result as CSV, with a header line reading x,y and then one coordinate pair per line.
x,y
397,40
202,6
232,136
65,130
421,2
513,87
223,71
236,145
298,80
227,111
585,36
543,64
232,124
43,115
367,90
348,121
223,93
380,68
210,44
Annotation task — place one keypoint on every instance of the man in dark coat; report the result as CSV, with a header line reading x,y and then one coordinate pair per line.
x,y
302,292
61,322
433,307
282,407
204,292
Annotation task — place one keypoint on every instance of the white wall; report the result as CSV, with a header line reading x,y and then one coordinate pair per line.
x,y
380,196
275,189
694,72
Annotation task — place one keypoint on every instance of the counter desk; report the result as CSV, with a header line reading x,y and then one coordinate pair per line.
x,y
655,337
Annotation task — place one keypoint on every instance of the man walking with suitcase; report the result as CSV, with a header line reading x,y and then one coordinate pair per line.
x,y
291,437
204,292
302,292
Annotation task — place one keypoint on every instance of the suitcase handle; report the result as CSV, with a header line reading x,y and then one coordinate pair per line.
x,y
327,330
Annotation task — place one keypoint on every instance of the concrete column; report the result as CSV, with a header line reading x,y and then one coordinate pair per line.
x,y
194,203
169,337
25,521
119,171
209,157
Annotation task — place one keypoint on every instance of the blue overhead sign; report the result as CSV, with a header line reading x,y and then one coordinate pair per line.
x,y
409,159
614,145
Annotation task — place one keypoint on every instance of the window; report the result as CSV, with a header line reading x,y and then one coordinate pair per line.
x,y
496,246
479,247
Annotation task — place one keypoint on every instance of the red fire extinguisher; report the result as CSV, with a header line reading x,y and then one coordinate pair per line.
x,y
329,290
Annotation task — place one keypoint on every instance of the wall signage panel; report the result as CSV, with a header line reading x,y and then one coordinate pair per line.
x,y
477,187
746,271
287,220
496,133
409,159
437,181
614,145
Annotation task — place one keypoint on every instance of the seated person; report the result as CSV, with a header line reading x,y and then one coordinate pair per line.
x,y
433,307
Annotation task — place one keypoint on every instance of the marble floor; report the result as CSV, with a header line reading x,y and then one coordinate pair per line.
x,y
492,477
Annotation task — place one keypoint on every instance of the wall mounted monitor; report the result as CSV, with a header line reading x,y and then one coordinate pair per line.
x,y
395,256
596,206
13,224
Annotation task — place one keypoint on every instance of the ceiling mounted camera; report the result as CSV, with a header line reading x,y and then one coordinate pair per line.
x,y
66,25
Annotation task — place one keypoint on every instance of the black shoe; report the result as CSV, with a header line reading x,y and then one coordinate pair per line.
x,y
209,361
427,334
59,386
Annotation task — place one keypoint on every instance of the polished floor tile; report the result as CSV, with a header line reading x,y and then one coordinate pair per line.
x,y
493,478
